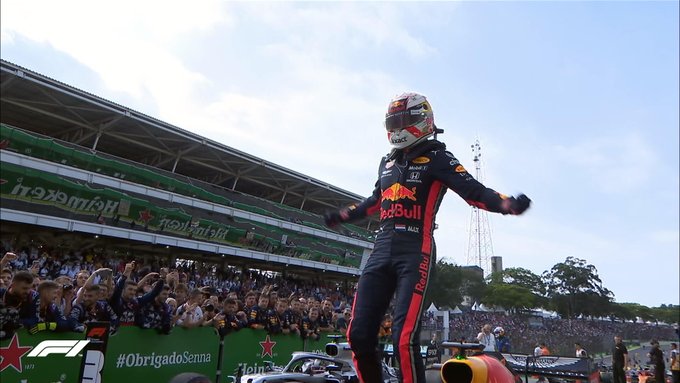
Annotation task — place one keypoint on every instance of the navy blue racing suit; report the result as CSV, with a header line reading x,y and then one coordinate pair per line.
x,y
408,193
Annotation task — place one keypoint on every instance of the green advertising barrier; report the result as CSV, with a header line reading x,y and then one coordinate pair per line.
x,y
151,357
136,355
249,350
18,366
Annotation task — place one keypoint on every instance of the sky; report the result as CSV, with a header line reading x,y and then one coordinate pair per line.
x,y
573,103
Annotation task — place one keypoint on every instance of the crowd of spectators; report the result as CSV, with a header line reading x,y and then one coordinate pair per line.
x,y
45,289
526,332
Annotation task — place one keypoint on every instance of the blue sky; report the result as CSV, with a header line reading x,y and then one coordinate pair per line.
x,y
574,103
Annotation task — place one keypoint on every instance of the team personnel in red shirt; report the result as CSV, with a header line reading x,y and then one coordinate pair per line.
x,y
412,180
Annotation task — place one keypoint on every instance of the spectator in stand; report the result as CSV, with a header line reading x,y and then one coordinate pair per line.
x,y
14,303
228,320
310,325
295,314
156,314
502,341
5,277
486,338
65,294
278,320
303,305
124,300
181,293
249,302
619,360
343,321
45,314
190,313
580,351
91,309
326,316
258,316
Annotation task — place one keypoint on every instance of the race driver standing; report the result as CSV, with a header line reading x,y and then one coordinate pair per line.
x,y
412,180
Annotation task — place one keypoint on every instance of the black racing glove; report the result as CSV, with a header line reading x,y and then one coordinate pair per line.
x,y
519,204
332,218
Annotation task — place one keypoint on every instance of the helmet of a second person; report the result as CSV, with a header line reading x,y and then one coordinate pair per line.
x,y
409,120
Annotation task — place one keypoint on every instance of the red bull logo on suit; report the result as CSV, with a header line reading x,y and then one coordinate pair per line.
x,y
398,192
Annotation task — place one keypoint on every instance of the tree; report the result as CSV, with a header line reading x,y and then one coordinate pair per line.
x,y
451,282
444,289
509,296
575,288
524,278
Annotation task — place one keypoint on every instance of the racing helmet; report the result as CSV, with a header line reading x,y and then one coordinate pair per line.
x,y
498,330
409,119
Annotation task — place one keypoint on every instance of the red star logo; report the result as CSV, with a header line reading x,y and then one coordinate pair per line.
x,y
11,355
2,181
145,216
267,347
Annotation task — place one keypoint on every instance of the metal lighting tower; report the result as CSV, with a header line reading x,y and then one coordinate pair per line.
x,y
480,248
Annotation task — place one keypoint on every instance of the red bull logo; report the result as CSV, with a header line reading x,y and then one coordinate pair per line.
x,y
397,191
398,210
424,271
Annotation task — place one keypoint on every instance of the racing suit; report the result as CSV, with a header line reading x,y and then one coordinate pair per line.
x,y
407,195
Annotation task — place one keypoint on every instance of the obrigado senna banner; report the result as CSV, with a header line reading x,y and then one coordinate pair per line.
x,y
136,355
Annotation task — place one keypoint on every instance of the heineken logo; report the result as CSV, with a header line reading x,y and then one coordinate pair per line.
x,y
60,197
267,347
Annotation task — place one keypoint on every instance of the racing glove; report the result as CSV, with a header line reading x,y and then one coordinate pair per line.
x,y
519,204
333,218
42,326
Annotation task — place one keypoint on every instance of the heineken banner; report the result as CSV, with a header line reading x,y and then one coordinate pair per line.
x,y
249,351
73,197
145,355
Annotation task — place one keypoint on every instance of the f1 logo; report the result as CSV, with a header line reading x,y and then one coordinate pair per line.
x,y
96,332
69,347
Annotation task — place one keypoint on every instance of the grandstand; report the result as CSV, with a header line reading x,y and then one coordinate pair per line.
x,y
77,166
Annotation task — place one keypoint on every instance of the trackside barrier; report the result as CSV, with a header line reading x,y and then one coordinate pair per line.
x,y
136,355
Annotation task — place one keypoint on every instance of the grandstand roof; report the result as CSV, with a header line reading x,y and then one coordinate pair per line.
x,y
46,106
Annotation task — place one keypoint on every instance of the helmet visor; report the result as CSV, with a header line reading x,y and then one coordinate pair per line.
x,y
401,120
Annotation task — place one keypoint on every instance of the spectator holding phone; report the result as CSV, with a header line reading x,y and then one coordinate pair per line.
x,y
91,309
45,313
124,300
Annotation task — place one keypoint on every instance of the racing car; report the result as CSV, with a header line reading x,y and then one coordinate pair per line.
x,y
335,366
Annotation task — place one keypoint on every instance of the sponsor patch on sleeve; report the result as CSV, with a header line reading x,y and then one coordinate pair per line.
x,y
421,160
